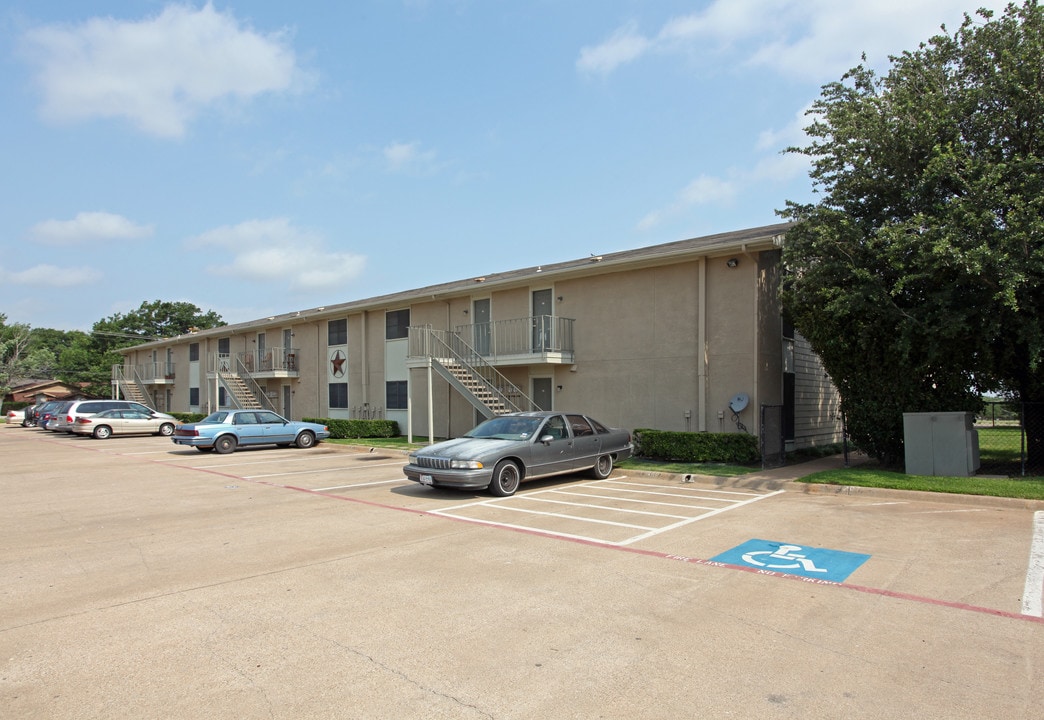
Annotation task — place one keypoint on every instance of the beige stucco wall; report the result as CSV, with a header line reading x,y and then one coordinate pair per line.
x,y
664,342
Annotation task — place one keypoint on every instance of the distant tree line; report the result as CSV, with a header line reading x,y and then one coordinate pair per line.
x,y
85,359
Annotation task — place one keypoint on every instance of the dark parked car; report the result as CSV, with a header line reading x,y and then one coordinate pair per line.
x,y
49,410
225,430
503,451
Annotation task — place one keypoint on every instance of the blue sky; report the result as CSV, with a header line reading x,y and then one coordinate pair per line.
x,y
261,157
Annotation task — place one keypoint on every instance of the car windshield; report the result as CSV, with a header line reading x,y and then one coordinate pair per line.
x,y
215,418
506,428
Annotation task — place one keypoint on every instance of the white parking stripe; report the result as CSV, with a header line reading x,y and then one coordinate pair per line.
x,y
1033,595
342,468
616,481
606,507
701,517
627,500
642,501
574,517
359,485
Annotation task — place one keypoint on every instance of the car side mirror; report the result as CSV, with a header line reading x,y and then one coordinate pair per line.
x,y
547,439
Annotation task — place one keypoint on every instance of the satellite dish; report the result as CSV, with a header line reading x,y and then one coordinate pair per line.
x,y
738,402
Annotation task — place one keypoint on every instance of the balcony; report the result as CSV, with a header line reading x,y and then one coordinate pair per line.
x,y
155,373
273,362
541,339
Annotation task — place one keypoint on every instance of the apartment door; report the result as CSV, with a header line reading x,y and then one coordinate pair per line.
x,y
542,396
481,328
542,309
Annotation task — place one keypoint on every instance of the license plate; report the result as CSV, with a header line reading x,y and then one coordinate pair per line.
x,y
427,480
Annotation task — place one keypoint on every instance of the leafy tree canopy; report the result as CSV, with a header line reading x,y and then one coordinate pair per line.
x,y
917,275
86,359
156,320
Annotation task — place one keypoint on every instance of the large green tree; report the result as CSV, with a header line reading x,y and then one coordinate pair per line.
x,y
917,275
90,358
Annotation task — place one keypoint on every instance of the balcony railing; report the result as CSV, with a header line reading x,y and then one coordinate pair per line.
x,y
270,360
523,339
153,372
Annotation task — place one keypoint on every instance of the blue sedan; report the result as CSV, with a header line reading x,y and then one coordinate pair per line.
x,y
225,430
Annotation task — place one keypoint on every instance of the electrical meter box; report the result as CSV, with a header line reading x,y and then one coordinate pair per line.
x,y
941,443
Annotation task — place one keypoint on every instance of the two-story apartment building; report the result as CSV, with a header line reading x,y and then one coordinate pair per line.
x,y
667,336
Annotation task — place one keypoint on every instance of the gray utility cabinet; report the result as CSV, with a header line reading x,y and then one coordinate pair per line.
x,y
941,443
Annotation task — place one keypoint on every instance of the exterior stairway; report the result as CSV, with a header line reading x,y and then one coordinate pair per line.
x,y
468,372
131,388
240,392
470,384
133,393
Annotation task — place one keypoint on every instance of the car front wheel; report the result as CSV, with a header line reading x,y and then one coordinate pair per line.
x,y
603,467
102,432
166,429
506,477
305,440
225,444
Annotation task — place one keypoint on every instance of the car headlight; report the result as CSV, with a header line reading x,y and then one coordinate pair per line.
x,y
466,465
412,458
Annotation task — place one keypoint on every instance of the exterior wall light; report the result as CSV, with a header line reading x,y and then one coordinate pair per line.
x,y
732,262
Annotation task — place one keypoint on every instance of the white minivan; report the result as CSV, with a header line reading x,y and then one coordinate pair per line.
x,y
65,421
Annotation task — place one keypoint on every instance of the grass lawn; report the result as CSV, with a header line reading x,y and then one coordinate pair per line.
x,y
1027,488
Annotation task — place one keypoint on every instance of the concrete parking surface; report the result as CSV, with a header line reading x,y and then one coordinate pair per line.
x,y
141,580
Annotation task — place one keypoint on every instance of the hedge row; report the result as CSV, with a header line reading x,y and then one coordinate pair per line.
x,y
739,448
358,428
338,428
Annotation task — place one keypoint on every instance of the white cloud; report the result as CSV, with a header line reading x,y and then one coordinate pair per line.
x,y
625,46
88,227
277,253
408,157
704,190
806,39
159,73
50,276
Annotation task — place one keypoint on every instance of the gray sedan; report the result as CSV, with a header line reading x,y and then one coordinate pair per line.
x,y
503,451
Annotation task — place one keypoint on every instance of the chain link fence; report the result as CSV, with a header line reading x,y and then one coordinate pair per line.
x,y
1011,439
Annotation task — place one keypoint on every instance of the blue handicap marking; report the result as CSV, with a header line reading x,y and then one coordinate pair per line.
x,y
811,562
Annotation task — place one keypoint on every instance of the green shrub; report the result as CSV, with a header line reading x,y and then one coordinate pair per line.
x,y
187,417
696,447
358,428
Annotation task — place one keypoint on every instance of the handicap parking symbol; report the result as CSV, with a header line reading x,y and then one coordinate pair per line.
x,y
811,562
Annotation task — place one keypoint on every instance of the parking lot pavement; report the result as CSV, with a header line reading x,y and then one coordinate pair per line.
x,y
139,580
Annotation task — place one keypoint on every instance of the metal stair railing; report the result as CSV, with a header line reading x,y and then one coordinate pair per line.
x,y
131,388
491,392
246,393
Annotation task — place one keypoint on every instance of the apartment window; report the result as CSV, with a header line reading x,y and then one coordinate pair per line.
x,y
223,346
194,397
337,332
194,352
396,324
338,395
395,394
